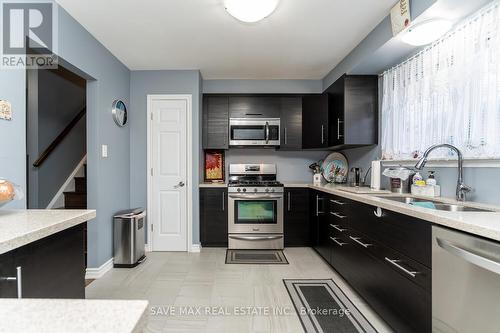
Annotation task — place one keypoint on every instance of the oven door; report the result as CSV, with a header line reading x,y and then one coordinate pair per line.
x,y
255,213
248,132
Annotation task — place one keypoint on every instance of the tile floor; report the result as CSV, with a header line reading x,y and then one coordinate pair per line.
x,y
181,279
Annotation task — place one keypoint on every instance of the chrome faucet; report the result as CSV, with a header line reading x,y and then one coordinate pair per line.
x,y
462,189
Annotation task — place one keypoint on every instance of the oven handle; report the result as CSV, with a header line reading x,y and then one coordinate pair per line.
x,y
256,238
252,196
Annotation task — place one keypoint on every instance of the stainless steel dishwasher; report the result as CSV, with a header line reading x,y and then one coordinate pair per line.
x,y
465,283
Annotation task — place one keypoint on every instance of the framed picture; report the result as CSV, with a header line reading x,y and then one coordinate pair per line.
x,y
214,166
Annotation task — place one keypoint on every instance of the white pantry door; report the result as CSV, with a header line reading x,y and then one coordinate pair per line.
x,y
169,173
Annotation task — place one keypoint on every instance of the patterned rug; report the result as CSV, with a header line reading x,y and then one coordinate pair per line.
x,y
255,257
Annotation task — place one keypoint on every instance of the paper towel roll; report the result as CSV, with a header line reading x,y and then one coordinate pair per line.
x,y
375,174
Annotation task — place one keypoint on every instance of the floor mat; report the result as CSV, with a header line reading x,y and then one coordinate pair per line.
x,y
255,257
323,307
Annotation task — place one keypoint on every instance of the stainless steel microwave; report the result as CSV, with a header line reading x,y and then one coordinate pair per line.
x,y
254,132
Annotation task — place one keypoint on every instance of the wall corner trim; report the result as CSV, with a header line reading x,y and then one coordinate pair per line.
x,y
97,273
195,248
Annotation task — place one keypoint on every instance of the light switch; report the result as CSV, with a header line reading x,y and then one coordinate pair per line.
x,y
104,151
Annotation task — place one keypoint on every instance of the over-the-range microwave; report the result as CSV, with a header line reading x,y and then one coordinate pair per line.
x,y
254,132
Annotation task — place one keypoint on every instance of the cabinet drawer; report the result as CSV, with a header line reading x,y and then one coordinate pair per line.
x,y
338,205
405,234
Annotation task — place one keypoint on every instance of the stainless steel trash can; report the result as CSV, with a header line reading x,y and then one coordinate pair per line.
x,y
129,237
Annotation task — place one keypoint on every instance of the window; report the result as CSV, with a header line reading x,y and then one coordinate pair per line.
x,y
447,93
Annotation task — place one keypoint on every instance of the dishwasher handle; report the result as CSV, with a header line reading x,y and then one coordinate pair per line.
x,y
486,263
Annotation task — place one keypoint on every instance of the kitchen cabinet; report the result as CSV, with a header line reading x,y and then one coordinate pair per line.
x,y
296,224
215,122
320,221
385,256
315,121
291,123
344,116
254,107
52,267
213,217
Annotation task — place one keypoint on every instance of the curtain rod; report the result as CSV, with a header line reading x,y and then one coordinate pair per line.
x,y
474,17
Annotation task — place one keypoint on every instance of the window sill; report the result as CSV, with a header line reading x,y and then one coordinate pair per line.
x,y
447,163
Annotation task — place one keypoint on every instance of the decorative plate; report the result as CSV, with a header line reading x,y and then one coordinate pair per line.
x,y
335,168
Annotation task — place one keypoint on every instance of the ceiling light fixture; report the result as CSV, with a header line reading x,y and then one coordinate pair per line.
x,y
250,10
426,32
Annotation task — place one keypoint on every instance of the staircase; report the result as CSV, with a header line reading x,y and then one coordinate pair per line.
x,y
77,199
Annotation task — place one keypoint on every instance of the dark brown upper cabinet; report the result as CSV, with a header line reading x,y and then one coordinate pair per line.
x,y
344,116
254,107
291,123
215,122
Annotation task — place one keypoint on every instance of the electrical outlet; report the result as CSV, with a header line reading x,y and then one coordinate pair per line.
x,y
104,151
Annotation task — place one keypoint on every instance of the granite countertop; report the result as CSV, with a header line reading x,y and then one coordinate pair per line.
x,y
21,227
72,315
485,224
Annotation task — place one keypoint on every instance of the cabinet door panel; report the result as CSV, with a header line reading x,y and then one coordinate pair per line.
x,y
215,122
296,226
315,121
213,217
291,123
254,107
8,289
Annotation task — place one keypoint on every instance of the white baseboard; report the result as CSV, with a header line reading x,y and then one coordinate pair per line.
x,y
147,248
96,273
195,248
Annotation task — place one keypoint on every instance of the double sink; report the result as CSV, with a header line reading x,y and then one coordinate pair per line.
x,y
437,205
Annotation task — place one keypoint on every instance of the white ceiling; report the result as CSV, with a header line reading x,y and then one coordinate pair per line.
x,y
302,39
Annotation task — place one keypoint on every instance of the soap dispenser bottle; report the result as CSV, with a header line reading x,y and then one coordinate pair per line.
x,y
431,180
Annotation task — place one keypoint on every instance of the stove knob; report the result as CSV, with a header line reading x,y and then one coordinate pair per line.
x,y
239,190
272,190
267,190
255,190
244,190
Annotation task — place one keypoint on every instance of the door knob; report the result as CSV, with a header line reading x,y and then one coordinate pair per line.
x,y
181,184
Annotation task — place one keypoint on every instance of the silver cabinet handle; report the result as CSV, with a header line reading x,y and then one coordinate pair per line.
x,y
267,132
255,196
18,279
223,201
337,202
486,263
286,137
336,227
356,239
338,215
322,134
337,242
181,184
289,199
317,205
338,128
394,262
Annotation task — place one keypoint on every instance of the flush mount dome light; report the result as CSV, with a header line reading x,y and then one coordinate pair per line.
x,y
250,10
426,32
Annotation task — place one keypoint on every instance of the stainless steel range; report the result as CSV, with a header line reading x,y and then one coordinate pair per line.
x,y
255,207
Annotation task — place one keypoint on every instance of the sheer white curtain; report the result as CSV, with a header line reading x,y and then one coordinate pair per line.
x,y
448,93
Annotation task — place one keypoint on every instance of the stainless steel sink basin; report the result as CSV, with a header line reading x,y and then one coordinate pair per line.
x,y
438,205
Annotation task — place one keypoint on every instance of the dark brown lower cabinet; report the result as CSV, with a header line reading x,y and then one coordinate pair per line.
x,y
394,279
213,217
52,267
296,220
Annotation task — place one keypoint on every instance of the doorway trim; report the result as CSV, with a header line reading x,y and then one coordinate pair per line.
x,y
189,180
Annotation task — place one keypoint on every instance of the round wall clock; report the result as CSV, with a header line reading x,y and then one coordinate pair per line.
x,y
119,113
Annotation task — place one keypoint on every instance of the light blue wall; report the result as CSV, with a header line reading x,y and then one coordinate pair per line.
x,y
108,184
161,82
262,86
